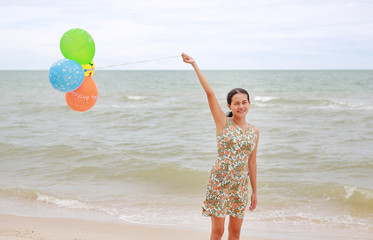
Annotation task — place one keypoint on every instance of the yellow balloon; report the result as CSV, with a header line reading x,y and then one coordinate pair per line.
x,y
89,69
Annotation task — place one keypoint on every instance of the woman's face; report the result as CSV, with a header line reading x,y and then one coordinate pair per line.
x,y
239,105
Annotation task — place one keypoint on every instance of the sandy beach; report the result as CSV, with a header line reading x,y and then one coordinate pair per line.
x,y
21,228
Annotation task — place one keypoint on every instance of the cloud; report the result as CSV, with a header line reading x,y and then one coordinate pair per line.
x,y
222,34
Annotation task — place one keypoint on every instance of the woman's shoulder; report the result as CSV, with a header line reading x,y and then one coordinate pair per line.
x,y
254,128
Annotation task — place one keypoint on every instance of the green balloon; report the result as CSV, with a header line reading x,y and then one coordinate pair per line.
x,y
76,44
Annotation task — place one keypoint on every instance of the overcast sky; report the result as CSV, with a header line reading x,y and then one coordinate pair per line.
x,y
236,34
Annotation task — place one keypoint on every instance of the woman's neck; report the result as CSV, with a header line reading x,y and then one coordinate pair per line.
x,y
239,121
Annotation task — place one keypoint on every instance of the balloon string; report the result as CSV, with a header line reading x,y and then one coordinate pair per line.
x,y
128,63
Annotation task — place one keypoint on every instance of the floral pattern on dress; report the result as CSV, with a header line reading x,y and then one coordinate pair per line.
x,y
228,184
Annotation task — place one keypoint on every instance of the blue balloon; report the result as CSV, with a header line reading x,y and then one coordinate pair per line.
x,y
66,75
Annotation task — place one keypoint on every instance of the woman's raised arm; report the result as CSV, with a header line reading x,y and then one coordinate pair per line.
x,y
219,116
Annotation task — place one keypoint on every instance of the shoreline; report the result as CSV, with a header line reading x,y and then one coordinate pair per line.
x,y
14,227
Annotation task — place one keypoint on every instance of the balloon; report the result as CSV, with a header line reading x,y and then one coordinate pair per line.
x,y
66,75
78,45
83,98
89,69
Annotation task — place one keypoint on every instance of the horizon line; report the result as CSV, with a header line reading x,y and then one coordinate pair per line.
x,y
294,69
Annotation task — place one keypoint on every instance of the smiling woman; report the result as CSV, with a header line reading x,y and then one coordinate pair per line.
x,y
237,140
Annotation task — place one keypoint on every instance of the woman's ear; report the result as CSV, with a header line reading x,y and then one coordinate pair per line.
x,y
229,106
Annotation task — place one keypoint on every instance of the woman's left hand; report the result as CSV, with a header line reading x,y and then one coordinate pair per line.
x,y
253,202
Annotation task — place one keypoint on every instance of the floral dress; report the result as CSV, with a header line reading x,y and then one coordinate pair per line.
x,y
228,184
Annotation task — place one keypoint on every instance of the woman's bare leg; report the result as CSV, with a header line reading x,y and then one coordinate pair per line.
x,y
234,228
217,228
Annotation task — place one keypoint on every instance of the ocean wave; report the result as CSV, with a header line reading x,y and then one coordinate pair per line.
x,y
169,176
25,194
357,199
352,195
264,98
307,218
65,203
288,101
340,105
358,196
20,193
136,98
312,103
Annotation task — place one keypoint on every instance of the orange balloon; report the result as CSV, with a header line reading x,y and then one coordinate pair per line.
x,y
84,97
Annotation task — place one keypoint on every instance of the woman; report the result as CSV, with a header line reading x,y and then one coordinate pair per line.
x,y
237,140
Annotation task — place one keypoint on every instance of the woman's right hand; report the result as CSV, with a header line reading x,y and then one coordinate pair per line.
x,y
187,58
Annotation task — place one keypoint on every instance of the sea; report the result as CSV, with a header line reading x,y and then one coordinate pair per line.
x,y
143,153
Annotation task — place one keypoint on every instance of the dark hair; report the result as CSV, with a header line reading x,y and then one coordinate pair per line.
x,y
231,94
